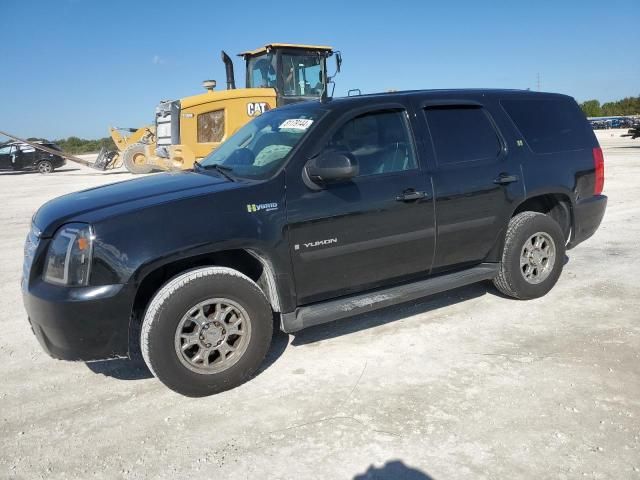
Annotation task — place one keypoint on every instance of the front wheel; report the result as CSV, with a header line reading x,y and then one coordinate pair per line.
x,y
135,160
206,331
532,258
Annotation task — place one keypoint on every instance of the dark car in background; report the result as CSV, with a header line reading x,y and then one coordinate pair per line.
x,y
20,156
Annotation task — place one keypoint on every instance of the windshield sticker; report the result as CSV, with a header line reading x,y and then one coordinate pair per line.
x,y
296,124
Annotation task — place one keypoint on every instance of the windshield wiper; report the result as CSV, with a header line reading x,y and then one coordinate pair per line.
x,y
221,169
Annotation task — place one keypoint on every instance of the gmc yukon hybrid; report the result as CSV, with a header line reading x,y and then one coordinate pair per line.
x,y
311,213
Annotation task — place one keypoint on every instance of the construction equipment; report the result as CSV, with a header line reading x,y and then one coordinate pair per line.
x,y
188,129
133,158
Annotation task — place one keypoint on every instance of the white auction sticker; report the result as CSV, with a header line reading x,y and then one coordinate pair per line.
x,y
296,124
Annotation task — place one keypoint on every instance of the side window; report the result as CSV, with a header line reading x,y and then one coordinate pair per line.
x,y
379,141
26,148
462,134
211,126
5,150
550,125
302,75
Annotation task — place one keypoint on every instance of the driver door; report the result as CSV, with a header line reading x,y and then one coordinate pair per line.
x,y
369,231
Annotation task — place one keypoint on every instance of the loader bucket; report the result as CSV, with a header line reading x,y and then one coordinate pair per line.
x,y
106,159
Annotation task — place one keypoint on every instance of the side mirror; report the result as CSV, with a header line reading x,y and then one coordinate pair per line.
x,y
338,61
331,167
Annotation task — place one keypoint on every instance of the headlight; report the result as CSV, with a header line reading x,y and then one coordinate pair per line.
x,y
68,259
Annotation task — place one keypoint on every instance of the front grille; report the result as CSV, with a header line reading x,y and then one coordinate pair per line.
x,y
30,246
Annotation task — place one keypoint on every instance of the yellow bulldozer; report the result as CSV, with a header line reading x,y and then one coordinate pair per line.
x,y
188,129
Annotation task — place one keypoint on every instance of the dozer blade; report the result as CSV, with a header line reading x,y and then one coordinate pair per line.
x,y
52,151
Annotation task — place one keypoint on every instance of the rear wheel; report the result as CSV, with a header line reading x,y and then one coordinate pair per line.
x,y
206,331
533,256
135,159
45,167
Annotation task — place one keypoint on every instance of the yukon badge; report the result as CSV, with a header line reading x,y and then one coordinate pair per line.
x,y
317,243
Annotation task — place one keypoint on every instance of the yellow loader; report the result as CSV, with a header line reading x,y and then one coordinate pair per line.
x,y
188,129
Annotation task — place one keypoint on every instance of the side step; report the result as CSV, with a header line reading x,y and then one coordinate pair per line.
x,y
331,310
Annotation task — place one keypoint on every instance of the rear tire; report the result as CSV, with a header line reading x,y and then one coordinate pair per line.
x,y
532,258
206,331
45,167
135,159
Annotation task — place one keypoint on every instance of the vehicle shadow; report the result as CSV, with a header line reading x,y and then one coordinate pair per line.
x,y
393,470
391,314
127,369
121,369
279,344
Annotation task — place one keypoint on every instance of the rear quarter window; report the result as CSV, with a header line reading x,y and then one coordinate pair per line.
x,y
550,125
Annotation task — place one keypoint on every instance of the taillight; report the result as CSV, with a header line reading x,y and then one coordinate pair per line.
x,y
598,160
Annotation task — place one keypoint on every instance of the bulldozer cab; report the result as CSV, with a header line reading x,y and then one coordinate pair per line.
x,y
296,72
188,129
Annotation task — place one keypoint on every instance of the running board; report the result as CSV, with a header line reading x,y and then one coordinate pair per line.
x,y
331,310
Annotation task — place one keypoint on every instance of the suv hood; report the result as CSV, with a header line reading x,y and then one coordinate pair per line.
x,y
99,202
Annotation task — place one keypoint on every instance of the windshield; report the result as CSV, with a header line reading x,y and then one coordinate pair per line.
x,y
259,148
303,74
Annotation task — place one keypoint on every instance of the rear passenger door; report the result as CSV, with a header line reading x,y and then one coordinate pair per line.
x,y
474,178
371,231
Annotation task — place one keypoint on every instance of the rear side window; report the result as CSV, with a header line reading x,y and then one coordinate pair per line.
x,y
462,134
550,125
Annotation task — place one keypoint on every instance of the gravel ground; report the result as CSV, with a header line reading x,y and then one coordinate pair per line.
x,y
465,384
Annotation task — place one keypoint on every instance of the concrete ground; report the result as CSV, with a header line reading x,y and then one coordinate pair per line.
x,y
465,384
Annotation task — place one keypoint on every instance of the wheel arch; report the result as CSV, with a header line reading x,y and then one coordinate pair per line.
x,y
253,263
557,204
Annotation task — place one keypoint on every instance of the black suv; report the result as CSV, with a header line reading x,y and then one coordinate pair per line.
x,y
20,156
314,212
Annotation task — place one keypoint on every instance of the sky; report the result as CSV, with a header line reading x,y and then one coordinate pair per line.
x,y
75,67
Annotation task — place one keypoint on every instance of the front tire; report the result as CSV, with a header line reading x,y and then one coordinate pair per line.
x,y
206,331
135,159
532,258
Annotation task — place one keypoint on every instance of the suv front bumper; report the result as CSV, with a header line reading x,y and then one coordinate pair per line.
x,y
80,323
587,215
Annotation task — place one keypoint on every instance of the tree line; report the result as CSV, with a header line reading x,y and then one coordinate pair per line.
x,y
77,146
626,106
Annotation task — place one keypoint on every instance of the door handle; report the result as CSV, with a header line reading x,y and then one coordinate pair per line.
x,y
505,179
410,195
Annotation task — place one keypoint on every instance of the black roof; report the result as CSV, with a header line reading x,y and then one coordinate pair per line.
x,y
436,94
452,93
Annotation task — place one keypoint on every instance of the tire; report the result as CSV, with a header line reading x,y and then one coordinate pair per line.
x,y
135,160
45,167
528,270
180,326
